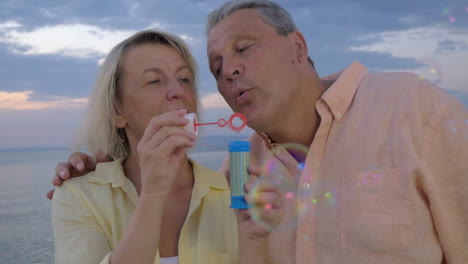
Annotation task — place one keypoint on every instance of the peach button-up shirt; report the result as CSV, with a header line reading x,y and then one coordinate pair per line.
x,y
385,178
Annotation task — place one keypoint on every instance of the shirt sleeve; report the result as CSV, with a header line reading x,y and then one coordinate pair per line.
x,y
446,163
77,235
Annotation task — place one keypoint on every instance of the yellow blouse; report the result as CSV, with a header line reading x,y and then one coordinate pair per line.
x,y
90,214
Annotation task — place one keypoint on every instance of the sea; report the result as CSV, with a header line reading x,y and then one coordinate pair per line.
x,y
25,212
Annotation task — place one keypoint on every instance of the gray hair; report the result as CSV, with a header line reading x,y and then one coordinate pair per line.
x,y
271,13
99,131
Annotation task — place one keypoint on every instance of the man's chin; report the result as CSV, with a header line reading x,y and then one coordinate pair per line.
x,y
254,121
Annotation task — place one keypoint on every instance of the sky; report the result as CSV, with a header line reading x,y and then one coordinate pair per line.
x,y
50,51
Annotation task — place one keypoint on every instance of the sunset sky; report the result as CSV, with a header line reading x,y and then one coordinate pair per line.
x,y
51,50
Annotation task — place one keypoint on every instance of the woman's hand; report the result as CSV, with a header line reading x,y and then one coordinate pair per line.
x,y
161,151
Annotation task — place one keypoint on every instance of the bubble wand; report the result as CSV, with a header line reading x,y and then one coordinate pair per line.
x,y
193,125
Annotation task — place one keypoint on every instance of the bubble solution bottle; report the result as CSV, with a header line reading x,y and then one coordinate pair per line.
x,y
239,152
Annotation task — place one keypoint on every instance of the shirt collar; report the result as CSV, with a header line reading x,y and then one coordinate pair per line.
x,y
339,95
208,177
113,173
109,173
345,83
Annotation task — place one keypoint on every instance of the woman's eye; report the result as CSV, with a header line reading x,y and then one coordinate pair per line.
x,y
186,80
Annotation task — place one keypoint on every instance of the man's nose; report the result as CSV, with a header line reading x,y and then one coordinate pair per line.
x,y
232,69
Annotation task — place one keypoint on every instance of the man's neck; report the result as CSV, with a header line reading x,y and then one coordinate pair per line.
x,y
301,124
301,130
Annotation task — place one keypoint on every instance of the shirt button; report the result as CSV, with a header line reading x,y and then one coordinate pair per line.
x,y
305,238
306,185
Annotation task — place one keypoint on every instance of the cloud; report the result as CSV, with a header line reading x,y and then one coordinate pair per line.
x,y
22,101
418,43
154,25
70,40
39,128
442,52
9,25
74,40
214,100
187,38
409,20
47,12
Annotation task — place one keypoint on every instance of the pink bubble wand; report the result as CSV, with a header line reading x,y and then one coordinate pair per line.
x,y
222,122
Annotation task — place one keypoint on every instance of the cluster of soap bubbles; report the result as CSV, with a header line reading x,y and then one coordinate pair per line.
x,y
447,12
288,171
283,170
453,14
430,71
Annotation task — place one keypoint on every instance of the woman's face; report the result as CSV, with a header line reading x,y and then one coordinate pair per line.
x,y
154,80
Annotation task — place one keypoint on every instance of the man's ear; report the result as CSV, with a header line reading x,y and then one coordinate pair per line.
x,y
302,52
120,120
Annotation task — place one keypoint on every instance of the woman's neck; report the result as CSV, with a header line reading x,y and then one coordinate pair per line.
x,y
184,180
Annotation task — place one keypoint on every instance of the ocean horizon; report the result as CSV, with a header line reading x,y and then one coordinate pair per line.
x,y
25,212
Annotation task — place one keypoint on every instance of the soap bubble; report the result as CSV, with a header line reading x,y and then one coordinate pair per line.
x,y
282,170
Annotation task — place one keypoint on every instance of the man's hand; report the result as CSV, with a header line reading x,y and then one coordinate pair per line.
x,y
267,207
78,164
256,224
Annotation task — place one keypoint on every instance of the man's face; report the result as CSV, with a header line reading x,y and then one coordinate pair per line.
x,y
255,68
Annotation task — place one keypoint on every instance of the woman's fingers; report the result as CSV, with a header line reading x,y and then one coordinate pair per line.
x,y
173,143
167,132
166,140
172,118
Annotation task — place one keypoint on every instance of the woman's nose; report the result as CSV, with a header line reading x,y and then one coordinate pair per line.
x,y
176,90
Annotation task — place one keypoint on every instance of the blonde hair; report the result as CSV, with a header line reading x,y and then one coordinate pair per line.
x,y
98,131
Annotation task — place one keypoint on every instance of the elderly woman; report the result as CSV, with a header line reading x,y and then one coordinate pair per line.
x,y
151,204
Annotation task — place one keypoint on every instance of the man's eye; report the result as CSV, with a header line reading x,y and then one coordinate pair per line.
x,y
243,48
156,81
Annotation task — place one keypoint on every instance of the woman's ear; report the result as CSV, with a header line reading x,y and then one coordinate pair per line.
x,y
120,120
302,52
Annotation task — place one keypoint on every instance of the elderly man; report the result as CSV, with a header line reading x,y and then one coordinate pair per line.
x,y
392,149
